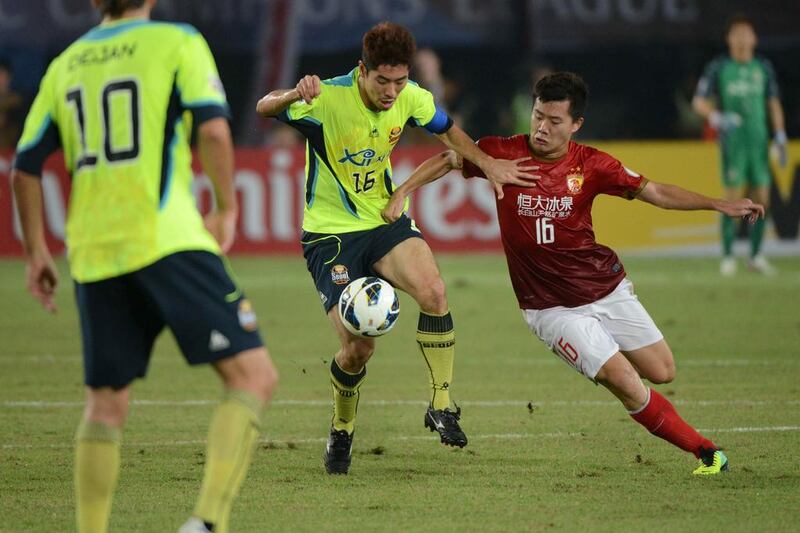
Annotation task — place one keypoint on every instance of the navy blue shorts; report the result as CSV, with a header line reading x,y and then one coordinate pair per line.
x,y
334,260
191,292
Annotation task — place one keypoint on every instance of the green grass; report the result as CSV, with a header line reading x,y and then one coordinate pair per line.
x,y
575,461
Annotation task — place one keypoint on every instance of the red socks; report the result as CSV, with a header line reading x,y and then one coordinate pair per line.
x,y
662,420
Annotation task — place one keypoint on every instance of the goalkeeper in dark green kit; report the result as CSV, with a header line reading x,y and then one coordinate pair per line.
x,y
736,94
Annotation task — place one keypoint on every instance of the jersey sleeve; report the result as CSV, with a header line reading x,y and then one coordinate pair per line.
x,y
198,80
616,179
426,114
708,86
299,112
470,169
307,118
40,136
772,89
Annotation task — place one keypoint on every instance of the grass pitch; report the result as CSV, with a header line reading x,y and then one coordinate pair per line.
x,y
548,450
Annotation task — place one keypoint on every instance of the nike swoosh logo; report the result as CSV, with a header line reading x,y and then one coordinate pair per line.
x,y
437,423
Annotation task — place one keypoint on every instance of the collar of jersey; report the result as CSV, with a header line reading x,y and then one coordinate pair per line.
x,y
547,161
110,29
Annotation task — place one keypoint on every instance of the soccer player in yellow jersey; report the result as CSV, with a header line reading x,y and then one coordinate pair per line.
x,y
121,101
352,123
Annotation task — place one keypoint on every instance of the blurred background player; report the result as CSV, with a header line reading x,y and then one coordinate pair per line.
x,y
734,95
121,101
573,292
10,108
352,123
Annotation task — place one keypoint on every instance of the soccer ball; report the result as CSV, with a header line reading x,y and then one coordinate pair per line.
x,y
369,307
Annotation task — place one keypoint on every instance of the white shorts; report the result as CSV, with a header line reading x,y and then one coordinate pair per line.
x,y
587,336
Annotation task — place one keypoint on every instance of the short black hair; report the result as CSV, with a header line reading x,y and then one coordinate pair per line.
x,y
115,8
388,43
738,18
563,86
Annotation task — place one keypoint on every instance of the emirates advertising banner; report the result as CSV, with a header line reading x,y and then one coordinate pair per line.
x,y
455,214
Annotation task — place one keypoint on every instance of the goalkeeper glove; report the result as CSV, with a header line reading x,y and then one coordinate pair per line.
x,y
724,122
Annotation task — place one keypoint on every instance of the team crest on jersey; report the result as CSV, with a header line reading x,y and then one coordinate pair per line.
x,y
340,275
247,317
575,181
394,134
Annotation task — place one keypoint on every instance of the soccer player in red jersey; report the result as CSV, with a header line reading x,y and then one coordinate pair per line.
x,y
573,292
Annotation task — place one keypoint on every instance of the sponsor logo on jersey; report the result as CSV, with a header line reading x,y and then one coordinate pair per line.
x,y
340,275
575,181
741,88
394,134
361,158
247,317
544,206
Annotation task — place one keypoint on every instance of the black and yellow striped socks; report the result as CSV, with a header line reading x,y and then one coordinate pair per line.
x,y
232,436
97,459
436,339
345,396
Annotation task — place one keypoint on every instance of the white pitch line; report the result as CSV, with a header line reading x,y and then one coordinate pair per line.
x,y
532,360
750,429
315,440
21,404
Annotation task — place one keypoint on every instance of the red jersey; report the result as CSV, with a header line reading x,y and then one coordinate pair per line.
x,y
547,234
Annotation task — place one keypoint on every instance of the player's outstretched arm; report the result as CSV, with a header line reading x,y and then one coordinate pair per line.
x,y
308,88
499,171
42,275
430,170
669,196
703,106
215,146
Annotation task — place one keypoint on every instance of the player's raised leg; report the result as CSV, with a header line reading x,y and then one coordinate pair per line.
x,y
410,266
97,455
249,379
655,362
657,414
348,370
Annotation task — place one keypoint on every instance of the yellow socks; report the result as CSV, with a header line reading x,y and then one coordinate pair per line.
x,y
232,435
436,340
345,396
96,471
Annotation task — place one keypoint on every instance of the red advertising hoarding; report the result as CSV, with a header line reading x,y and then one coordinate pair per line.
x,y
454,213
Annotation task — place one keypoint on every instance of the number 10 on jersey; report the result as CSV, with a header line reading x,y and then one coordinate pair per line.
x,y
545,231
